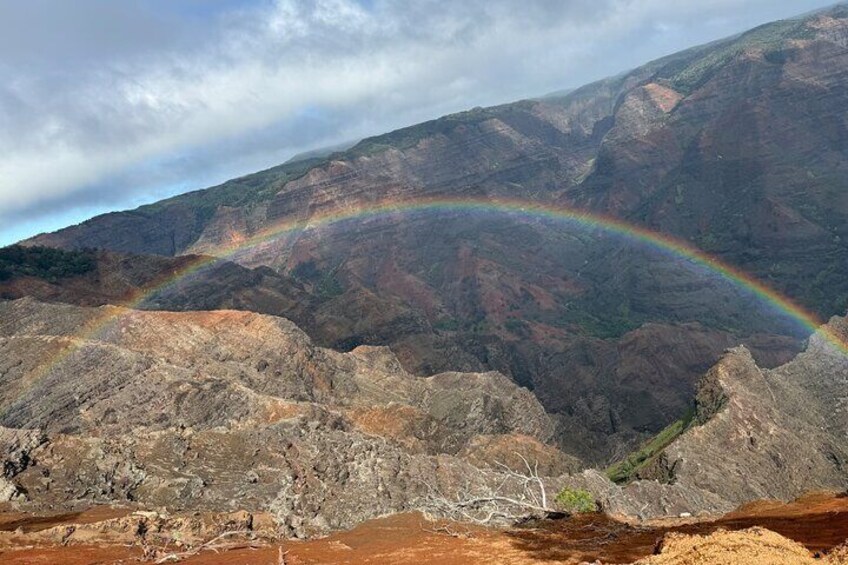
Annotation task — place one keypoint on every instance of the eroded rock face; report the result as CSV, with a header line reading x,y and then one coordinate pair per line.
x,y
776,433
153,531
758,433
587,382
225,410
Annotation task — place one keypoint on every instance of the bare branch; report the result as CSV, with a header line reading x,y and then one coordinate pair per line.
x,y
212,545
504,497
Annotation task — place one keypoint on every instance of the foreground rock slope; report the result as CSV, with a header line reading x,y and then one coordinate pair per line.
x,y
229,410
225,410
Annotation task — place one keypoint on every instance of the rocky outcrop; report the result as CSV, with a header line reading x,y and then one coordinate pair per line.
x,y
158,534
758,433
776,433
228,410
225,410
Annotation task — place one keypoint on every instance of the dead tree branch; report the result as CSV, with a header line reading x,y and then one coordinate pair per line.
x,y
505,496
211,545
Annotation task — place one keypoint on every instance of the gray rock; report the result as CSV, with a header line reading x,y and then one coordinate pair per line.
x,y
225,410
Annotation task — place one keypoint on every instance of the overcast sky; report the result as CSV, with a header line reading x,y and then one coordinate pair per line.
x,y
108,104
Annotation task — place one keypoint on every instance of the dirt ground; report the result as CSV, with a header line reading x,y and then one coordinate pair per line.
x,y
724,547
807,528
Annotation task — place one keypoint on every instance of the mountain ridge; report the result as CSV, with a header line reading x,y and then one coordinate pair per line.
x,y
738,147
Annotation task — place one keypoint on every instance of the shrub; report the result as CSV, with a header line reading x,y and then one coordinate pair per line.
x,y
517,327
329,287
576,500
44,262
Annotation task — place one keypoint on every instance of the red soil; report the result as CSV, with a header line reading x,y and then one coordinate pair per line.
x,y
819,523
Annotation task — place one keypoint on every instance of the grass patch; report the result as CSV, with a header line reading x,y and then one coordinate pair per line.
x,y
517,327
329,287
612,323
626,470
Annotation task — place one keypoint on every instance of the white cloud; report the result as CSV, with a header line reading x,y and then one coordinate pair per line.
x,y
272,79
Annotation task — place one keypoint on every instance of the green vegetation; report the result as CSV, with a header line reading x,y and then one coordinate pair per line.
x,y
447,325
326,284
241,192
329,287
678,197
517,327
44,262
626,470
576,501
600,320
408,137
307,271
709,242
768,38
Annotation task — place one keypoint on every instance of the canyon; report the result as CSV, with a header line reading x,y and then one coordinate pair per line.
x,y
635,291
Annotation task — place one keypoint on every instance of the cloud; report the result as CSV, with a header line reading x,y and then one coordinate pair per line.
x,y
107,104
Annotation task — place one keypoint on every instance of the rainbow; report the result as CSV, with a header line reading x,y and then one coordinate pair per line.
x,y
514,207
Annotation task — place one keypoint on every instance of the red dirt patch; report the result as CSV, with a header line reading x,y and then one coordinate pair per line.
x,y
818,522
11,521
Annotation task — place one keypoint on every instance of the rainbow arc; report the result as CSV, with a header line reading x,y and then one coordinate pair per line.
x,y
499,206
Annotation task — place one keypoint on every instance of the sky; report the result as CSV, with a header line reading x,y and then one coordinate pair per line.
x,y
109,104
